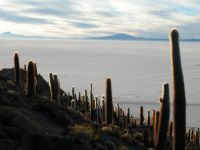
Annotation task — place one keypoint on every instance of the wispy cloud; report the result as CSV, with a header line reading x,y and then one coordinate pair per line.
x,y
12,17
70,18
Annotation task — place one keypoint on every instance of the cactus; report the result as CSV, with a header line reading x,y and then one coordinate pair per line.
x,y
194,138
109,104
103,109
155,127
148,118
35,68
153,117
188,136
135,123
128,116
192,133
141,115
86,101
57,89
79,99
197,137
54,88
51,86
92,104
118,113
123,120
25,79
73,93
163,119
73,104
16,68
31,84
179,101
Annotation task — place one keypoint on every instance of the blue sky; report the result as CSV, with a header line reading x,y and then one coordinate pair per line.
x,y
85,18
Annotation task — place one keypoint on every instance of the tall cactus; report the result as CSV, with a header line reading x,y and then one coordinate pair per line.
x,y
16,67
25,79
57,89
128,116
141,115
109,104
91,103
87,105
73,93
35,68
153,117
164,118
148,118
51,87
118,113
179,100
155,127
31,84
103,109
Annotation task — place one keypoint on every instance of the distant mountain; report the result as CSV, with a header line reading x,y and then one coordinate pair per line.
x,y
12,35
119,36
122,36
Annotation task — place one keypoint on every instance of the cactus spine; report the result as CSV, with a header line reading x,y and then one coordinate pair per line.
x,y
31,84
16,68
179,101
164,118
109,105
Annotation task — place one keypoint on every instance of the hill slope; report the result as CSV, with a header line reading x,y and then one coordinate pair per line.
x,y
36,123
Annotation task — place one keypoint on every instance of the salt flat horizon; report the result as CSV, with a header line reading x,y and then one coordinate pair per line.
x,y
137,68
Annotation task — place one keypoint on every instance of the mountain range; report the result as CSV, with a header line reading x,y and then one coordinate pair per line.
x,y
118,36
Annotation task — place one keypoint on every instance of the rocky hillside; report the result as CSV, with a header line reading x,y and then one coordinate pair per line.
x,y
37,123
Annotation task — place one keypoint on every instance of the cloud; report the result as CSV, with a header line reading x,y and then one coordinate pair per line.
x,y
92,17
84,25
12,17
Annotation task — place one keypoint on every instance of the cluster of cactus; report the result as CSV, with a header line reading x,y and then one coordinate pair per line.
x,y
192,136
102,109
31,80
29,75
54,87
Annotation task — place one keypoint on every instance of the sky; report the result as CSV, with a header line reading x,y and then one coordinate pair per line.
x,y
93,18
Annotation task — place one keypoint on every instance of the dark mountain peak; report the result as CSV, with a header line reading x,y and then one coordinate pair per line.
x,y
118,36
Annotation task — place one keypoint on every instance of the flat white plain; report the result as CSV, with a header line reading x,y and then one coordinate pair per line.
x,y
137,68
